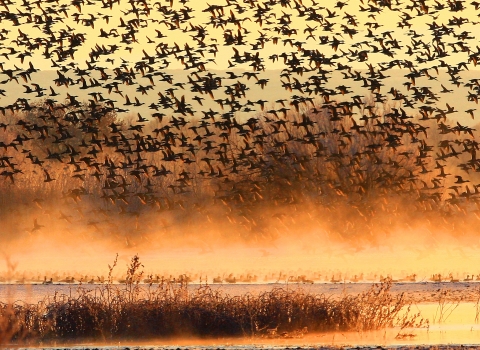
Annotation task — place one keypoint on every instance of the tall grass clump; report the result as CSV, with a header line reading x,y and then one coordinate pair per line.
x,y
130,311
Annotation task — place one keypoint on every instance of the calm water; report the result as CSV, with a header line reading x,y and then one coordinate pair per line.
x,y
456,327
264,347
32,293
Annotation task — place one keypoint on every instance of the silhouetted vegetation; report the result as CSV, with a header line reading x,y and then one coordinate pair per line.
x,y
131,311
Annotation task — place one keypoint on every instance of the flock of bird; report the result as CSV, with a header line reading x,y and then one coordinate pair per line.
x,y
351,159
249,278
231,278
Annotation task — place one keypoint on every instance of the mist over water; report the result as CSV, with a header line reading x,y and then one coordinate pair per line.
x,y
258,143
291,255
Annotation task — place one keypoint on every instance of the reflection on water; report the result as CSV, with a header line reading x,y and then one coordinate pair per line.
x,y
32,293
452,322
447,335
449,322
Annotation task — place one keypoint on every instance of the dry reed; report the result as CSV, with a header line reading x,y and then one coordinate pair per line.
x,y
130,311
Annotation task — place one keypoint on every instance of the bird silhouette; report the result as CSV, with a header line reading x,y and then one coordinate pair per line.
x,y
328,127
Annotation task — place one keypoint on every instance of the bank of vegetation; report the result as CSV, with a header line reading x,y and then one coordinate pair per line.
x,y
166,310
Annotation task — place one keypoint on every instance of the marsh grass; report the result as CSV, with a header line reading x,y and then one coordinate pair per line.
x,y
446,305
477,304
165,310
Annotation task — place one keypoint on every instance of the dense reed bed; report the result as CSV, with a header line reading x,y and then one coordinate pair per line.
x,y
131,311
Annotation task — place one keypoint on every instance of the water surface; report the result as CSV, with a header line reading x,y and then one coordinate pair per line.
x,y
33,293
